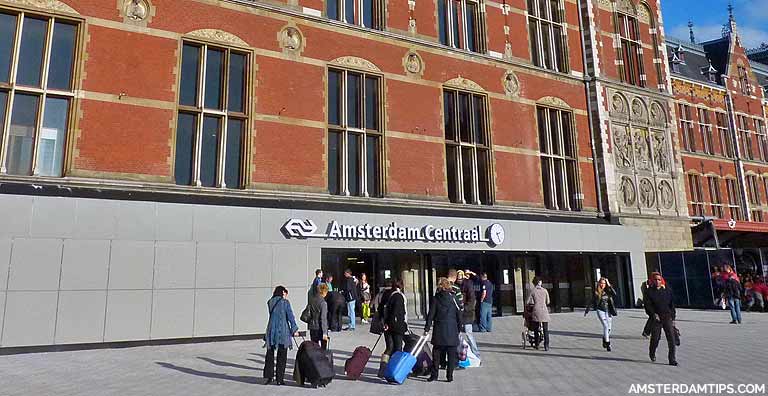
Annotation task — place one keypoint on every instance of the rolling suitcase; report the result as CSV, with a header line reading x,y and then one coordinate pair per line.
x,y
313,364
401,363
355,365
410,340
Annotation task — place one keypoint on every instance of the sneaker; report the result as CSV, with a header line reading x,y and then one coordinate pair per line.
x,y
673,363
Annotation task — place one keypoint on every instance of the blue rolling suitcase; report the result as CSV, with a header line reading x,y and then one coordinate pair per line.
x,y
401,363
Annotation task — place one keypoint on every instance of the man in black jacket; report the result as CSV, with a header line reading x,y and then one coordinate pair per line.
x,y
349,288
661,307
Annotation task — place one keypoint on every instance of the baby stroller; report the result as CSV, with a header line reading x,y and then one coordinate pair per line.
x,y
529,331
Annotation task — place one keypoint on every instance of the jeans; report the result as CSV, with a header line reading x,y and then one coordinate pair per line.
x,y
606,321
735,305
439,353
471,339
486,309
669,333
351,313
269,365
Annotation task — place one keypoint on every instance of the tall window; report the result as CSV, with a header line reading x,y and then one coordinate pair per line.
x,y
467,148
745,137
366,13
631,66
212,120
762,139
686,127
715,198
753,193
734,205
37,62
697,195
355,130
460,24
559,159
547,35
726,141
705,126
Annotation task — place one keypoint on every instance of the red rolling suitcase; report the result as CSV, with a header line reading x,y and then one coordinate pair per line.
x,y
355,365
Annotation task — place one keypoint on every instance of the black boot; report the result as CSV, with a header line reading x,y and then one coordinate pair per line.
x,y
608,346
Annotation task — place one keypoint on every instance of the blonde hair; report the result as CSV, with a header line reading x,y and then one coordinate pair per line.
x,y
322,289
444,284
598,290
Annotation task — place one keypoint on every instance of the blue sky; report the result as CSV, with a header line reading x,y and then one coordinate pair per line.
x,y
708,17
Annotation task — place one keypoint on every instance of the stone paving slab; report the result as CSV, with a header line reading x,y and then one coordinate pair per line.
x,y
713,351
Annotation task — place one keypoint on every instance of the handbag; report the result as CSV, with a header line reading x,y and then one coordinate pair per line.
x,y
306,314
677,335
377,325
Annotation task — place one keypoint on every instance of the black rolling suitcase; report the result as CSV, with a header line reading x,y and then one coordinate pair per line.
x,y
314,365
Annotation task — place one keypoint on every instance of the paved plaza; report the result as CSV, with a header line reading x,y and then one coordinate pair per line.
x,y
712,351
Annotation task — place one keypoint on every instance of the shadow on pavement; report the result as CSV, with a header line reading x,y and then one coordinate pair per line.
x,y
580,334
549,354
227,364
207,374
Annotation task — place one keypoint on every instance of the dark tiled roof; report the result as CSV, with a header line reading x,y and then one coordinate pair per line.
x,y
694,59
761,72
759,54
719,52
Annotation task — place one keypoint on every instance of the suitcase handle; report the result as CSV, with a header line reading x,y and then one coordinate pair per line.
x,y
419,345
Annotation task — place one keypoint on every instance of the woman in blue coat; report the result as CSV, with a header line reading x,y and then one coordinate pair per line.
x,y
281,327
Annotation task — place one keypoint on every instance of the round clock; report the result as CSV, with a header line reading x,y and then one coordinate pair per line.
x,y
496,234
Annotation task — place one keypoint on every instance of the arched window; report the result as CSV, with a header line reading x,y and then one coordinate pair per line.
x,y
630,52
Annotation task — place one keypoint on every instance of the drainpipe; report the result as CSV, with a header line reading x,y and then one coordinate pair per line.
x,y
737,153
588,79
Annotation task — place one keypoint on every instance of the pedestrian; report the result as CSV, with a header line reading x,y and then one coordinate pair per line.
x,y
318,317
381,307
445,315
315,282
396,318
466,283
349,290
336,308
365,294
539,298
329,281
732,292
648,328
280,328
602,303
661,306
486,303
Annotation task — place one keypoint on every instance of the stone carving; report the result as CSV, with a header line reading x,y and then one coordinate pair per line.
x,y
647,193
413,63
639,111
642,149
625,6
714,94
644,14
628,194
507,50
136,10
463,83
218,35
623,146
49,5
554,102
291,39
511,84
619,107
661,156
358,63
666,196
658,115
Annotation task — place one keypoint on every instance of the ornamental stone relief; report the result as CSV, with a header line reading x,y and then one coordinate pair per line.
x,y
627,192
511,84
48,5
359,63
136,12
666,196
291,40
661,155
644,14
619,107
623,146
625,6
463,83
413,64
218,35
642,149
647,194
554,102
658,115
639,111
713,94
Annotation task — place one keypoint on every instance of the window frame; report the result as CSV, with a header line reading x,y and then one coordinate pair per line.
x,y
537,20
12,88
200,111
726,140
462,41
696,198
345,130
715,197
459,145
686,127
705,127
572,200
734,199
378,9
631,70
745,136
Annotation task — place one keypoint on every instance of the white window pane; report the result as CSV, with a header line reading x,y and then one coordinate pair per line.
x,y
50,154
